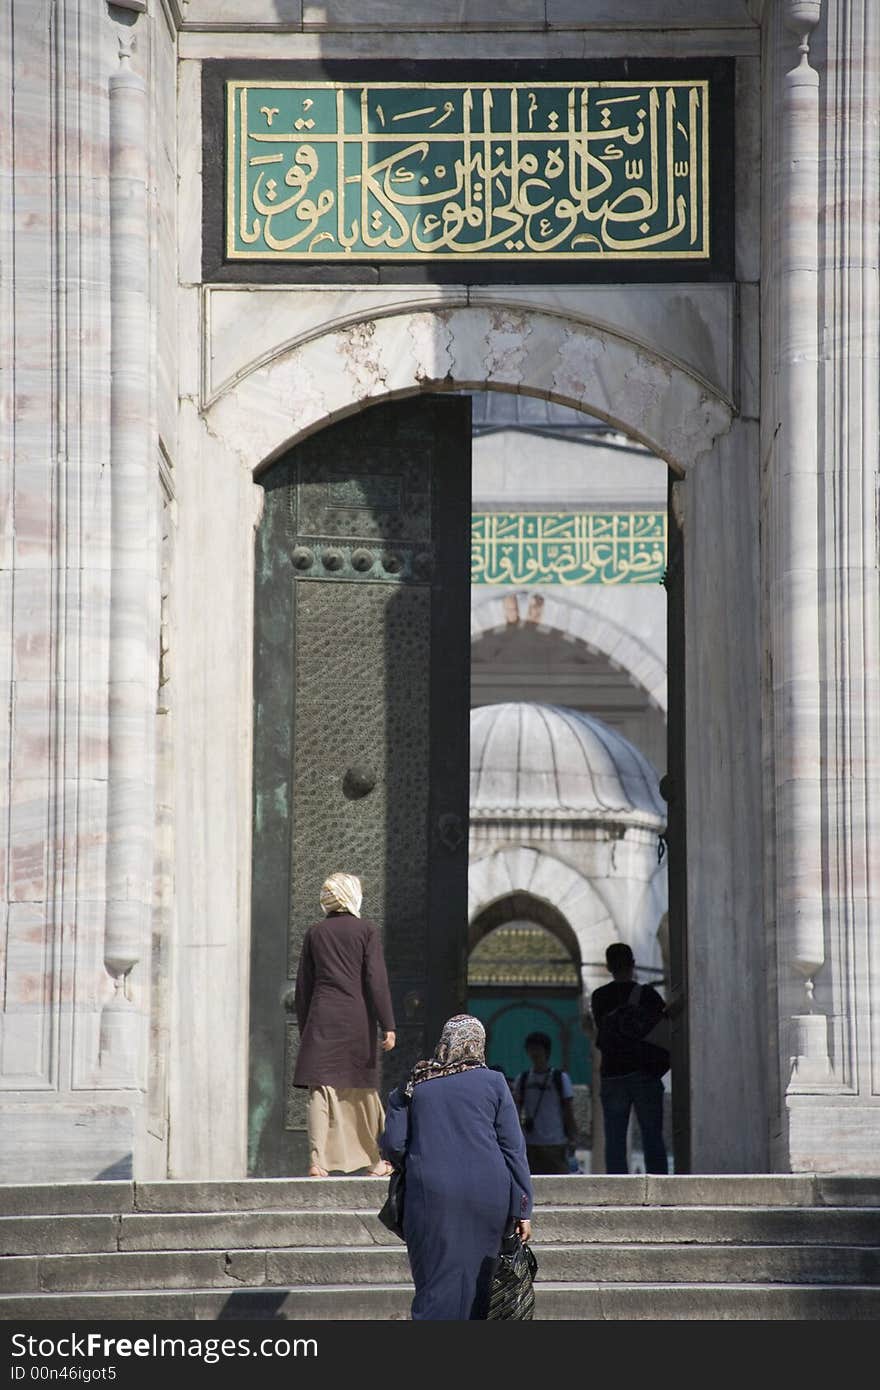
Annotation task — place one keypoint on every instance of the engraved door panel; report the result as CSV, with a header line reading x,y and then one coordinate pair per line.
x,y
361,699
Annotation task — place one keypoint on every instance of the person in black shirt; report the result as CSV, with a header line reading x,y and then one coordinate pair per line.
x,y
626,1081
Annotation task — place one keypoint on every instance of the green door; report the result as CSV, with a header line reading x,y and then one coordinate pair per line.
x,y
361,717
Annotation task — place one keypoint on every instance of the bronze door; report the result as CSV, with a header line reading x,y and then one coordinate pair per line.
x,y
361,718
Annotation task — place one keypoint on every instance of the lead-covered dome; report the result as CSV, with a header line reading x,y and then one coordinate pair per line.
x,y
531,761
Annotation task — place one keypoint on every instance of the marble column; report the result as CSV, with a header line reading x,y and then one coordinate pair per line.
x,y
122,1044
821,390
798,752
834,1113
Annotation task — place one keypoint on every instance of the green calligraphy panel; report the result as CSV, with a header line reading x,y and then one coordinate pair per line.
x,y
569,548
343,171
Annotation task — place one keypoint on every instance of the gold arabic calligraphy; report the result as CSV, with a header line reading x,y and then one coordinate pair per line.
x,y
341,171
568,548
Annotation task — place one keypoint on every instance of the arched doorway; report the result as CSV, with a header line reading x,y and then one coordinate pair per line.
x,y
360,685
524,975
458,348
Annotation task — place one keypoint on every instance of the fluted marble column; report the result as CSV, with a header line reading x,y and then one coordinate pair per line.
x,y
834,1120
128,868
821,396
799,786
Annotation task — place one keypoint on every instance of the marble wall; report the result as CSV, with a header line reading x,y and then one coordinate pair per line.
x,y
783,738
55,587
74,1051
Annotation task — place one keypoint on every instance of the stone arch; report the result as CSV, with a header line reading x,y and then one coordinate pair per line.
x,y
524,906
504,872
581,623
311,383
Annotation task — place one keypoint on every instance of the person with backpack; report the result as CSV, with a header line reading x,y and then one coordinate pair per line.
x,y
631,1027
544,1097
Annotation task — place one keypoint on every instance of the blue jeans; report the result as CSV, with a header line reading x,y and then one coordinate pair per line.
x,y
619,1094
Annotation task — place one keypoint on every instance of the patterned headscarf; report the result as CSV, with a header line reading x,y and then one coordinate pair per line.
x,y
462,1045
342,893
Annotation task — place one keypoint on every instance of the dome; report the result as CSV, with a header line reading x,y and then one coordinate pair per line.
x,y
531,761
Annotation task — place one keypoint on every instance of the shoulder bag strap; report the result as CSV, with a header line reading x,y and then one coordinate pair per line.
x,y
543,1093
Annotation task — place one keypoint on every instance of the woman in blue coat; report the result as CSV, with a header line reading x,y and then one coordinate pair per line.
x,y
455,1125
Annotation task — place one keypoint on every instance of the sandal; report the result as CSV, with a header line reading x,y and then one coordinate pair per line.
x,y
316,1172
384,1171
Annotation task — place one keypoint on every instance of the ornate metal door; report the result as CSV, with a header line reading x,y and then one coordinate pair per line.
x,y
361,710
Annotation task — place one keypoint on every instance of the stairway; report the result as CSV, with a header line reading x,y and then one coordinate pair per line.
x,y
794,1247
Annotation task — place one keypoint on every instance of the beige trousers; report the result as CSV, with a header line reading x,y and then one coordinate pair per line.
x,y
344,1126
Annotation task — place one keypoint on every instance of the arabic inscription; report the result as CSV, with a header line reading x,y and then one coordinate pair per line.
x,y
528,548
324,171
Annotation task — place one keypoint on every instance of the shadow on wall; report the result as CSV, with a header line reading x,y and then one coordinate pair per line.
x,y
120,1171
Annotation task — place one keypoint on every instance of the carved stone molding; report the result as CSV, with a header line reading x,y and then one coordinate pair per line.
x,y
676,414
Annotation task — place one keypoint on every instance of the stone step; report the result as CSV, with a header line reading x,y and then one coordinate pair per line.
x,y
612,1225
277,1194
712,1225
575,1264
758,1247
584,1301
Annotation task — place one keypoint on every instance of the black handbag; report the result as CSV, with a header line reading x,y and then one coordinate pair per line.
x,y
513,1294
391,1214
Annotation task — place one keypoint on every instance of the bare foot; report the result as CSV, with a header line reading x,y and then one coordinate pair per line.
x,y
382,1170
316,1172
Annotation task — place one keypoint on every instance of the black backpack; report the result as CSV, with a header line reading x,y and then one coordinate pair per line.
x,y
632,1026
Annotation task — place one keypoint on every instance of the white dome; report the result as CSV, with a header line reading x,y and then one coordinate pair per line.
x,y
531,761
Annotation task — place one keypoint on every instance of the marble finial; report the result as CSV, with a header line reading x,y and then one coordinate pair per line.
x,y
801,17
127,45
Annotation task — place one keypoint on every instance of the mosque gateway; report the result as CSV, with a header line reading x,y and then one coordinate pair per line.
x,y
441,445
